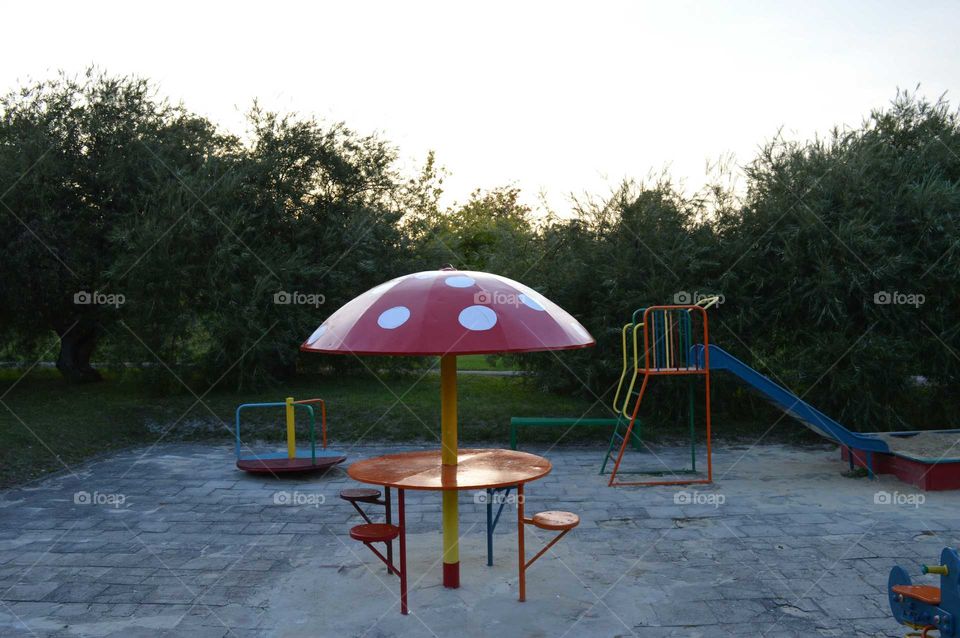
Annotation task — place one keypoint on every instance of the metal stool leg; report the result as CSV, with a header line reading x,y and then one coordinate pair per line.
x,y
386,504
360,510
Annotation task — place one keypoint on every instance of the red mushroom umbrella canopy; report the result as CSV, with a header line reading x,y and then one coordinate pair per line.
x,y
440,312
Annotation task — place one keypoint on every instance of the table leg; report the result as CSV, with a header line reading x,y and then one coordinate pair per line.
x,y
389,517
490,494
520,550
403,552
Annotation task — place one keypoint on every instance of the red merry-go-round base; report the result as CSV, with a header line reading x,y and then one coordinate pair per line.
x,y
936,476
280,466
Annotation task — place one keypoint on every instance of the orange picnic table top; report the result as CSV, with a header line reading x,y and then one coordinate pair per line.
x,y
476,469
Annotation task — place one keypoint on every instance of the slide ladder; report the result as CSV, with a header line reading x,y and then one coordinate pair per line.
x,y
670,334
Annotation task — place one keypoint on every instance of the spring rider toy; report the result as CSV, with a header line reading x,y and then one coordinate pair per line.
x,y
925,608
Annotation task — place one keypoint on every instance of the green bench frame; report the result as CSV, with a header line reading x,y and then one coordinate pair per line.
x,y
559,422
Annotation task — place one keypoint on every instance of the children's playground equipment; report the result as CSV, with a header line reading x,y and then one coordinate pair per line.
x,y
292,459
925,608
477,469
675,341
447,313
671,335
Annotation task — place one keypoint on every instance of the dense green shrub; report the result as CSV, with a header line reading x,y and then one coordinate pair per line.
x,y
80,158
826,227
107,188
110,190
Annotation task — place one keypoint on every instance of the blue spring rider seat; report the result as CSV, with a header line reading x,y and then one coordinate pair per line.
x,y
292,459
927,608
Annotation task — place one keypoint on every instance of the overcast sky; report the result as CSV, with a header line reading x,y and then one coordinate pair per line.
x,y
551,96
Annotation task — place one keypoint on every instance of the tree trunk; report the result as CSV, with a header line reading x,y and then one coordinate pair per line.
x,y
76,347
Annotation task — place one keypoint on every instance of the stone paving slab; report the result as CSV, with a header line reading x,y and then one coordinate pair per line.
x,y
174,541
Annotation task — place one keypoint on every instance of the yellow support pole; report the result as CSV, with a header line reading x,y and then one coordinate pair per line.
x,y
448,457
291,430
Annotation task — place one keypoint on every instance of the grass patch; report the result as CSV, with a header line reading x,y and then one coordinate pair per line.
x,y
483,362
48,425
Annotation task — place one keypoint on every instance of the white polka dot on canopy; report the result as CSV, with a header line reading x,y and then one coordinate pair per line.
x,y
317,333
530,302
393,317
477,318
460,281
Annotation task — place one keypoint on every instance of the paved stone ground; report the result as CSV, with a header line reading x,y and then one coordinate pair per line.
x,y
173,541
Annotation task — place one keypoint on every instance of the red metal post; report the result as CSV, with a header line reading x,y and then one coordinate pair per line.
x,y
520,550
401,514
389,517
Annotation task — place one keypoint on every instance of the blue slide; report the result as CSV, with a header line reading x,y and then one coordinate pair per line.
x,y
790,403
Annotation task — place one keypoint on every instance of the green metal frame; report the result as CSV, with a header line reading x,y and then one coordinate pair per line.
x,y
520,421
617,438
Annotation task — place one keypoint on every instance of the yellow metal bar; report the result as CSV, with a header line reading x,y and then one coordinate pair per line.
x,y
448,457
291,430
636,366
623,373
451,528
448,409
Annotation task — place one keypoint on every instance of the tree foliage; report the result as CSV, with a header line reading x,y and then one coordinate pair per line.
x,y
844,268
78,159
838,262
120,193
839,268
